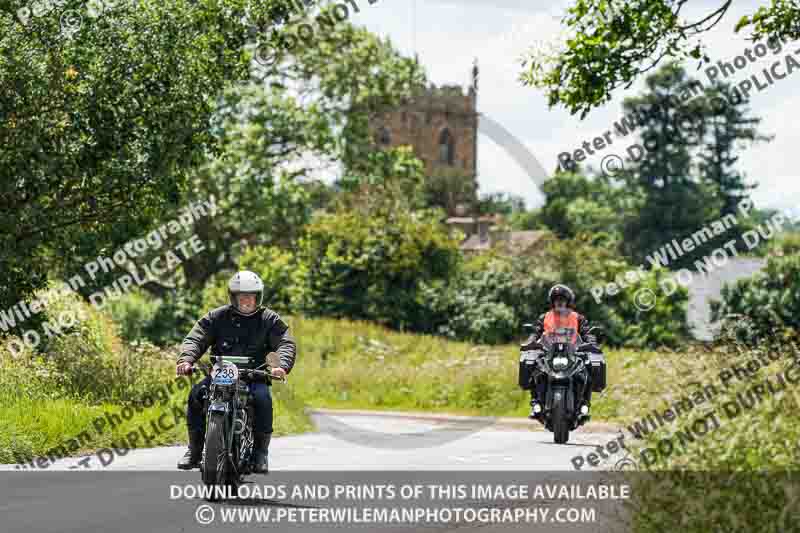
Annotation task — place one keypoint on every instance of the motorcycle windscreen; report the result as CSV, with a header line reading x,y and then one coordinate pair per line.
x,y
563,332
560,341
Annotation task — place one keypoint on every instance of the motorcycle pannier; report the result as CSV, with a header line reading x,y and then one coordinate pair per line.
x,y
597,364
526,365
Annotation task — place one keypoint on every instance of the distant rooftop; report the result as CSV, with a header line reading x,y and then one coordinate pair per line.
x,y
470,220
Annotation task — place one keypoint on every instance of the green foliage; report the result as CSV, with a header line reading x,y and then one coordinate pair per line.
x,y
778,20
364,366
493,296
670,212
40,374
371,266
178,312
677,201
80,357
51,394
133,116
723,129
500,203
134,313
276,268
585,266
664,325
384,180
312,105
609,44
663,195
107,123
274,265
450,187
161,321
489,300
526,221
576,205
734,477
770,299
88,360
787,243
38,413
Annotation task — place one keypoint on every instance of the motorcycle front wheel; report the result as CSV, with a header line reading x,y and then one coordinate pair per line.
x,y
215,467
559,417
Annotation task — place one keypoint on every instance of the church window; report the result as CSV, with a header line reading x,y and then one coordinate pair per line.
x,y
446,147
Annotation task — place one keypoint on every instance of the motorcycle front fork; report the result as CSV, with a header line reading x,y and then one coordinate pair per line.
x,y
583,394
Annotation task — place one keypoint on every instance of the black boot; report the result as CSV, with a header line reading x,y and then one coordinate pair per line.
x,y
191,459
260,447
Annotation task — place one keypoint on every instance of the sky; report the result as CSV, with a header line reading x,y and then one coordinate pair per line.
x,y
449,35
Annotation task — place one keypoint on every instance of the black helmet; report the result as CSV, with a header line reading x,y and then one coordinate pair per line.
x,y
561,291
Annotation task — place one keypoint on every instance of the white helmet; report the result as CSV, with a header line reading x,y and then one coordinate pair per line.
x,y
245,282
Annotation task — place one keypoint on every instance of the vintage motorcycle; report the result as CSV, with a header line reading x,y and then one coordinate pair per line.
x,y
566,366
228,448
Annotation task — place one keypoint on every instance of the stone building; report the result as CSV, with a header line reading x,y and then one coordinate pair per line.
x,y
441,125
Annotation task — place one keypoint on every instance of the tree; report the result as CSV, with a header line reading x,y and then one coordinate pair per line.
x,y
680,198
723,127
149,124
500,203
577,205
386,180
770,299
100,129
372,266
450,187
612,43
310,108
493,295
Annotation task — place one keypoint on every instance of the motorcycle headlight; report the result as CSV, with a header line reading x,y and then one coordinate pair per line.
x,y
559,363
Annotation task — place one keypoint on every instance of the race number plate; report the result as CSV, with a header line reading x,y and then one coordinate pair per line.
x,y
225,375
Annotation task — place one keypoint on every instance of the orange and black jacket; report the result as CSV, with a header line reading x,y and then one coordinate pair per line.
x,y
583,325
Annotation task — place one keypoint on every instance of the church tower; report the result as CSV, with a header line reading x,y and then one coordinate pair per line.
x,y
441,125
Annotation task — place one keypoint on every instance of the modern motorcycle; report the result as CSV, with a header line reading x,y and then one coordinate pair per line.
x,y
566,366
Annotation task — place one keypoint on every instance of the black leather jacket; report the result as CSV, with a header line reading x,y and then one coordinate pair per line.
x,y
244,340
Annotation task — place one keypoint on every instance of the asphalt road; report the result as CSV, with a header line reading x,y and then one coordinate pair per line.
x,y
132,493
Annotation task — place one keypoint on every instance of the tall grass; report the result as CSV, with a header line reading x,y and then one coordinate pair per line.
x,y
49,397
742,474
361,365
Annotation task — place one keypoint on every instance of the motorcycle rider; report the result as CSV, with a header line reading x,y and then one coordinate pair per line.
x,y
243,332
562,304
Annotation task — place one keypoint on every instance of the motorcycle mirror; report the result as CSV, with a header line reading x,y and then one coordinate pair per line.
x,y
273,360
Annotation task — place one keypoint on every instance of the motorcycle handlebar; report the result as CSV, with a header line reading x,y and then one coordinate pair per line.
x,y
245,372
260,374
